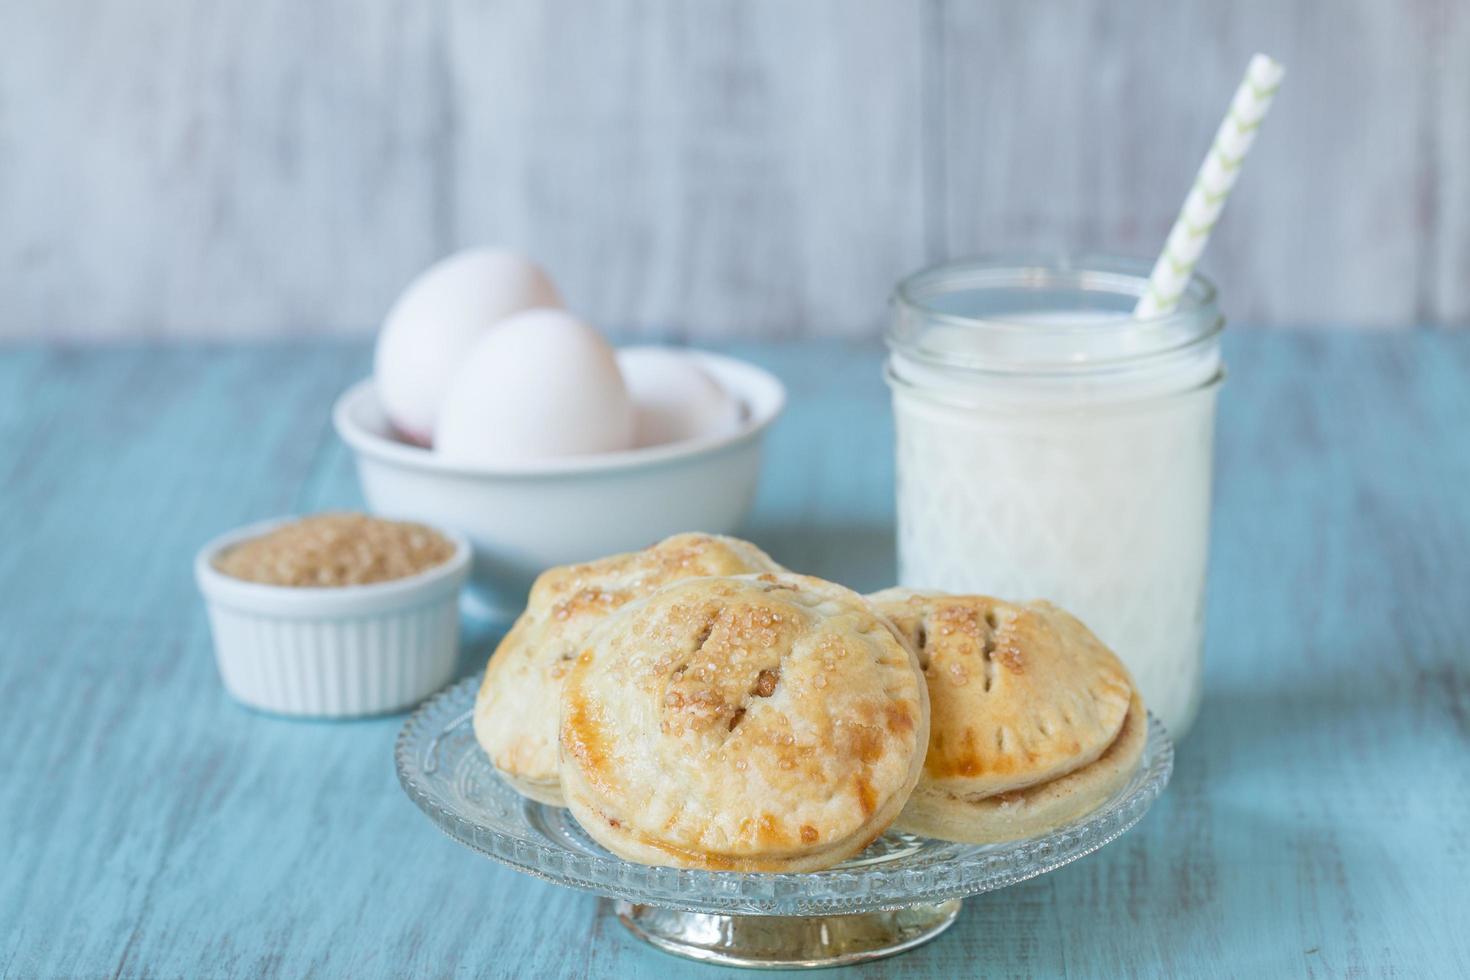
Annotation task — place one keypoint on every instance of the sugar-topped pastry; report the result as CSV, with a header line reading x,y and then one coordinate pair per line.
x,y
769,722
516,709
1034,721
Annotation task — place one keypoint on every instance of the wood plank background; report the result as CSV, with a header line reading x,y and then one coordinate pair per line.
x,y
731,167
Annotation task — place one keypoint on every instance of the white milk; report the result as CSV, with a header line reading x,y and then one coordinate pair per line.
x,y
1065,456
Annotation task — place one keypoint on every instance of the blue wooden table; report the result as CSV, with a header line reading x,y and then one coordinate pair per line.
x,y
1318,822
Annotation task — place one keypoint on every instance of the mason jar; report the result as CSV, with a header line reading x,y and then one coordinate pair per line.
x,y
1051,446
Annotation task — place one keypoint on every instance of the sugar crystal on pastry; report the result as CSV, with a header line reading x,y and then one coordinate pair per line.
x,y
516,710
1033,720
694,733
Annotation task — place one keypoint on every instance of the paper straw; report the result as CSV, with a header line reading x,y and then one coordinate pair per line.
x,y
1191,231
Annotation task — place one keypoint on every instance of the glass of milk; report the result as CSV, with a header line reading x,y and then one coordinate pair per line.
x,y
1050,446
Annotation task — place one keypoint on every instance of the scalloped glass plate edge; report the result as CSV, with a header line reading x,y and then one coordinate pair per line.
x,y
442,770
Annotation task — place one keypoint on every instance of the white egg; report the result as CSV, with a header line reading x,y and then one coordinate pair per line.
x,y
674,398
438,318
538,384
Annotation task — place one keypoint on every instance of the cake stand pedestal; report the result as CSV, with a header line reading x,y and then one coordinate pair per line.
x,y
787,941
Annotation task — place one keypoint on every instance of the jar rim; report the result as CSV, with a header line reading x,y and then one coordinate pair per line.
x,y
1196,321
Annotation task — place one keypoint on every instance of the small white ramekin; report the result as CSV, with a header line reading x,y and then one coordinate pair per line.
x,y
333,652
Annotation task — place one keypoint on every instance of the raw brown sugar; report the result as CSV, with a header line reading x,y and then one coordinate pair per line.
x,y
331,550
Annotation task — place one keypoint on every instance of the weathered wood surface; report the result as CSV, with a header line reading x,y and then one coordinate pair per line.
x,y
1315,827
732,167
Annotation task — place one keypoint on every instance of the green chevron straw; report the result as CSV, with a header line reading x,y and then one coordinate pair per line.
x,y
1191,231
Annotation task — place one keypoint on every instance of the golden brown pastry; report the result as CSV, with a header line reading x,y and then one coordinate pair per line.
x,y
1034,721
1038,809
516,709
760,723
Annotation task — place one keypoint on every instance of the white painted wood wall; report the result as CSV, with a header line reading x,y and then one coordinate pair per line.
x,y
707,167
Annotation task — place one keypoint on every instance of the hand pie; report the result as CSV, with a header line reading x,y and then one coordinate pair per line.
x,y
760,723
1038,809
516,709
1034,722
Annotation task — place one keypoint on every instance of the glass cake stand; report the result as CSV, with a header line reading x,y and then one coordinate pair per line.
x,y
901,892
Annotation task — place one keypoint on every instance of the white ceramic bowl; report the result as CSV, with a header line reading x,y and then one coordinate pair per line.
x,y
524,518
333,652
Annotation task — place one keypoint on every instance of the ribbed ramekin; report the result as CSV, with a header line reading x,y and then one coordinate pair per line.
x,y
333,652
